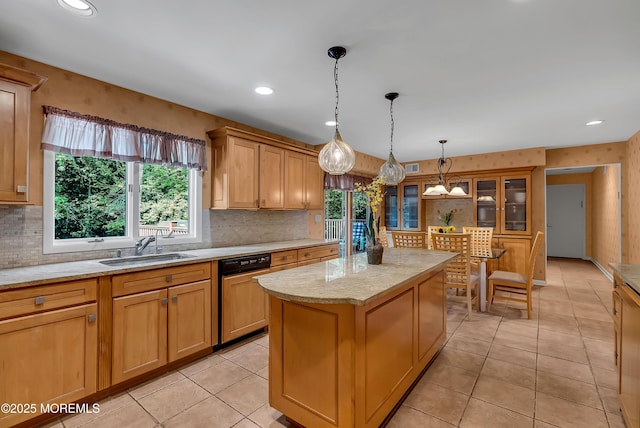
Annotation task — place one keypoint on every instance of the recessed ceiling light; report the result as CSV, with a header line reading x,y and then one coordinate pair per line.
x,y
264,90
594,122
79,7
330,123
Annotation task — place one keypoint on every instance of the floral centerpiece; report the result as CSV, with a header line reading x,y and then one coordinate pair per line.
x,y
374,192
446,218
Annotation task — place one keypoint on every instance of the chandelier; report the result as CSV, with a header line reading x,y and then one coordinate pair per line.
x,y
336,157
444,180
391,171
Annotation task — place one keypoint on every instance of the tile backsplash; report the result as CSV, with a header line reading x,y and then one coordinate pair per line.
x,y
21,233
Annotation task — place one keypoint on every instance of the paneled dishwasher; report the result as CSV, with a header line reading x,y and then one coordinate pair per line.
x,y
242,304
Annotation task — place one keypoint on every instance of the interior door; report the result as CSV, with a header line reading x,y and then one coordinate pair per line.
x,y
566,230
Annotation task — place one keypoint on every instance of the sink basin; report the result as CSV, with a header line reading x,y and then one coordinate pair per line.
x,y
141,260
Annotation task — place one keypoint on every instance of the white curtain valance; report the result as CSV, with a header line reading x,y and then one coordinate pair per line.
x,y
85,135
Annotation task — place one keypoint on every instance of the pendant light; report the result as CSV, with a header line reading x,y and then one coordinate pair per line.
x,y
444,181
391,171
336,157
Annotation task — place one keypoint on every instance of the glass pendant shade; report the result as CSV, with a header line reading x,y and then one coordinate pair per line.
x,y
457,191
337,157
431,191
441,190
391,171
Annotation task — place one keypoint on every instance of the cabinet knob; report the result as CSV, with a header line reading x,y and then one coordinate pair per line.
x,y
257,203
169,278
92,318
174,299
40,300
264,202
164,301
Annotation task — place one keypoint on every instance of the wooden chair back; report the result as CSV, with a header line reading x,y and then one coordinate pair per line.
x,y
409,239
430,230
480,239
384,238
531,263
458,270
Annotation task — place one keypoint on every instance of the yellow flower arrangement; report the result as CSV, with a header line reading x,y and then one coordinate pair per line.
x,y
374,192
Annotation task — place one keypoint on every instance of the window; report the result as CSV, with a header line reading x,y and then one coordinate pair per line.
x,y
97,203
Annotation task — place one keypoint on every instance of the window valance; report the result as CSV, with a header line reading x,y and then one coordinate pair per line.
x,y
344,181
80,134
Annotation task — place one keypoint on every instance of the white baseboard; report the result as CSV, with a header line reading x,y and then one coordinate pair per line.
x,y
599,266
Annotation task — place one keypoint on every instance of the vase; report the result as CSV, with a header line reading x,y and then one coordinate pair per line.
x,y
374,253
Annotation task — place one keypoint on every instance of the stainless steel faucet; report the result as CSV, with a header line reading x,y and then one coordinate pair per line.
x,y
142,243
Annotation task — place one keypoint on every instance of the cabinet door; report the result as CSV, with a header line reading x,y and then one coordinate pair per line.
x,y
391,207
629,368
516,209
48,358
314,184
139,334
14,141
243,162
517,255
244,305
272,168
486,202
189,319
294,183
411,206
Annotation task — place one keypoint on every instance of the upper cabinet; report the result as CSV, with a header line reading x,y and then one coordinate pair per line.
x,y
256,172
403,207
16,86
504,203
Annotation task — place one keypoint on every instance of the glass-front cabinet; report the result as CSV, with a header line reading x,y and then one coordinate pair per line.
x,y
402,207
503,203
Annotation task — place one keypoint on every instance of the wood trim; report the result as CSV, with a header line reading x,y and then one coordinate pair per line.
x,y
21,76
105,329
228,131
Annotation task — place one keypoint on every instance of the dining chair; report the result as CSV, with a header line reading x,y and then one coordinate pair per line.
x,y
430,230
384,238
514,282
480,240
409,239
457,272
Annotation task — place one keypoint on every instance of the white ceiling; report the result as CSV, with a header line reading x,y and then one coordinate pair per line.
x,y
488,75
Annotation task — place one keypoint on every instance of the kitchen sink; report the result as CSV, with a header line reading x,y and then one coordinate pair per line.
x,y
141,260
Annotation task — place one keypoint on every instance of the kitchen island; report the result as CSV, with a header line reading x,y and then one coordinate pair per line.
x,y
348,339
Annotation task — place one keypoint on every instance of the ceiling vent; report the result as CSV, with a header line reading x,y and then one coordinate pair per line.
x,y
412,168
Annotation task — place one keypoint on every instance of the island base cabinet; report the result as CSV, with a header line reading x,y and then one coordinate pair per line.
x,y
340,365
629,358
48,358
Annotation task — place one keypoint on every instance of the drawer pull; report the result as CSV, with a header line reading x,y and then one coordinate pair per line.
x,y
40,300
164,301
92,318
169,278
174,299
333,250
307,254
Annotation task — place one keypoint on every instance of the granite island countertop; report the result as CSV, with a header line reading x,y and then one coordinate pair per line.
x,y
351,280
58,272
630,274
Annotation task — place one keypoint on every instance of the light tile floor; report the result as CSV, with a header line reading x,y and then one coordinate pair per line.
x,y
498,370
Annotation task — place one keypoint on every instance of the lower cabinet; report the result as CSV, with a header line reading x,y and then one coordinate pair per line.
x,y
47,358
153,328
244,305
629,356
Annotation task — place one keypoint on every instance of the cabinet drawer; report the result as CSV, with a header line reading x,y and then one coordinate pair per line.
x,y
38,299
137,282
284,257
317,252
283,267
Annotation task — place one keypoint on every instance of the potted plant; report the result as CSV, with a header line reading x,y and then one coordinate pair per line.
x,y
374,192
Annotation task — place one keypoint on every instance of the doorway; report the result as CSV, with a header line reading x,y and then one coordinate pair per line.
x,y
566,231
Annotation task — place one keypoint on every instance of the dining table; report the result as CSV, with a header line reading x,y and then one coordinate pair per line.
x,y
484,255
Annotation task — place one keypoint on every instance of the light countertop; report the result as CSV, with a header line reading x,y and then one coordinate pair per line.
x,y
57,272
630,274
351,280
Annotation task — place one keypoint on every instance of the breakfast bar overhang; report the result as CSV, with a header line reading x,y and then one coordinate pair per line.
x,y
348,339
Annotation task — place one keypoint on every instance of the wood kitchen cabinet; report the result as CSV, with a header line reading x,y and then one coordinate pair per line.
x,y
304,182
169,321
504,203
48,349
16,86
629,355
403,206
251,171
